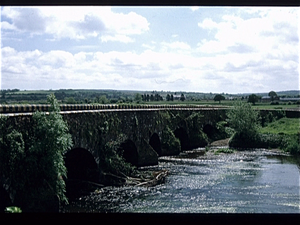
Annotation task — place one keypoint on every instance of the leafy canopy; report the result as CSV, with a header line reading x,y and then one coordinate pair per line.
x,y
34,170
243,119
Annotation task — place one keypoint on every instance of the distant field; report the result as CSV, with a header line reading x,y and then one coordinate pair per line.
x,y
290,126
113,96
223,103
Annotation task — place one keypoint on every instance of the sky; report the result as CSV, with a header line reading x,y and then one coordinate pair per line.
x,y
191,49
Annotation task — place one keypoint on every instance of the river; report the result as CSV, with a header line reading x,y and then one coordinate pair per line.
x,y
259,181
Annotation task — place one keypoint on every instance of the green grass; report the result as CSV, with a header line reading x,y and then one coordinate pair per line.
x,y
289,126
224,150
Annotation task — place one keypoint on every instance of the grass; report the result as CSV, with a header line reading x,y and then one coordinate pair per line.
x,y
224,150
289,126
223,103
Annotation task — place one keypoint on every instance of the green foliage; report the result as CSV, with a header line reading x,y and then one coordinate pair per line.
x,y
224,150
70,100
243,119
182,98
252,99
273,95
169,142
138,97
245,122
196,135
112,161
219,98
292,146
223,131
13,209
51,139
11,157
35,174
283,125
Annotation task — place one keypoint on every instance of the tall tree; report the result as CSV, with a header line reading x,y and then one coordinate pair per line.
x,y
253,98
273,95
168,97
182,98
138,97
219,98
38,172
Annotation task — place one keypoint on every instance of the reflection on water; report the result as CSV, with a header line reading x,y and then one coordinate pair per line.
x,y
243,182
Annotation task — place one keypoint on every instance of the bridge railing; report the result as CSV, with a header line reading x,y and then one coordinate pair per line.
x,y
77,107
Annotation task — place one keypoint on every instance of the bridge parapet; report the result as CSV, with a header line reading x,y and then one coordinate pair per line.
x,y
83,107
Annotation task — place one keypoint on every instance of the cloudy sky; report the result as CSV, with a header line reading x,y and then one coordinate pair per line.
x,y
200,49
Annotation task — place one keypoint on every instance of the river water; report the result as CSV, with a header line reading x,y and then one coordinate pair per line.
x,y
260,181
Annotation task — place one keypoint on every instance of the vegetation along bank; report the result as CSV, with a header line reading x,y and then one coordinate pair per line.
x,y
42,184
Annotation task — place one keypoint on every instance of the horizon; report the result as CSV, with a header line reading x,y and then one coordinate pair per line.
x,y
166,91
180,49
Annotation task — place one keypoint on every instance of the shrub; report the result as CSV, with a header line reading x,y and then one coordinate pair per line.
x,y
291,144
293,147
35,171
170,144
113,162
245,122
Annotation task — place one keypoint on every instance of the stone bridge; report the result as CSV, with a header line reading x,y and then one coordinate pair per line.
x,y
146,131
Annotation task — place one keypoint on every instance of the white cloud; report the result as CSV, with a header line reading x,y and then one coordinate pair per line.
x,y
76,22
244,51
120,38
194,8
263,46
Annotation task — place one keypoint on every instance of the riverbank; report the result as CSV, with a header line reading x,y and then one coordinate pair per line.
x,y
200,181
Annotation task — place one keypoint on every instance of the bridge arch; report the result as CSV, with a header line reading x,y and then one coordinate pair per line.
x,y
81,165
155,143
183,137
130,152
209,130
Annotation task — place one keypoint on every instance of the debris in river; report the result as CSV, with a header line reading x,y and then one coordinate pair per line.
x,y
144,179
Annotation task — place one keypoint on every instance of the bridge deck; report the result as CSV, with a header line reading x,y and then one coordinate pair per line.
x,y
23,110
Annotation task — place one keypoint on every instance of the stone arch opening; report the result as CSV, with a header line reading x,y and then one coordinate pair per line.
x,y
155,143
81,165
208,130
130,152
182,135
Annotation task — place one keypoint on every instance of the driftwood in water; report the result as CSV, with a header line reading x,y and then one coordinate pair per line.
x,y
157,177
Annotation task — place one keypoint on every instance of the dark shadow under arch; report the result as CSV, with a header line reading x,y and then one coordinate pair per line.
x,y
208,130
155,143
81,165
182,135
130,152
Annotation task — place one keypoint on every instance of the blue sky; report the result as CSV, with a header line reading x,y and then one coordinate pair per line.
x,y
199,49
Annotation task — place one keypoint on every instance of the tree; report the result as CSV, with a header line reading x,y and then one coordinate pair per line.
x,y
182,98
138,97
168,97
245,122
273,95
151,98
172,98
36,169
70,100
253,98
219,98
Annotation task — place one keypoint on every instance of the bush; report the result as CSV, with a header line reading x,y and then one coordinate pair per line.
x,y
293,147
34,172
291,144
245,122
113,162
170,144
